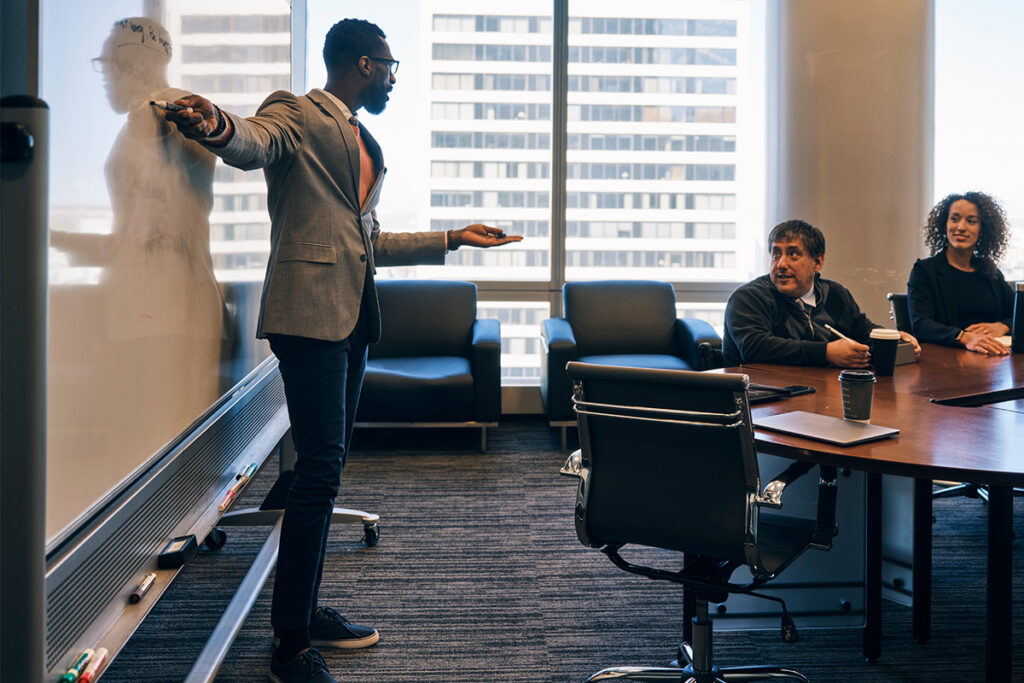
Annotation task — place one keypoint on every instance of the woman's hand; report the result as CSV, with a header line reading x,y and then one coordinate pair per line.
x,y
989,329
981,343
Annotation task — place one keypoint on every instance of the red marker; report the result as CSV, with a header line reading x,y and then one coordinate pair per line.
x,y
94,666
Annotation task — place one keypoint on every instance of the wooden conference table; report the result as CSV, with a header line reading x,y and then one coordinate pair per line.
x,y
980,445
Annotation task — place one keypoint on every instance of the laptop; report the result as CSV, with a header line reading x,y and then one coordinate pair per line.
x,y
824,427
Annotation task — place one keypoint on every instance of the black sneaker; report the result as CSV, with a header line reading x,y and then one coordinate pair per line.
x,y
327,628
306,667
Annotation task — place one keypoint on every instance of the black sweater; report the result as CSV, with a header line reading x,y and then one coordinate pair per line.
x,y
931,300
764,326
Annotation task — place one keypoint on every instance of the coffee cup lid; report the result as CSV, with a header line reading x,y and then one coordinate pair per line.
x,y
857,376
884,333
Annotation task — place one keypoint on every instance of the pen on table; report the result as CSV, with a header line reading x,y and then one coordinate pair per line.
x,y
75,670
139,592
94,666
839,334
169,106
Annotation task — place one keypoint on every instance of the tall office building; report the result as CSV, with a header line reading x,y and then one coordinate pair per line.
x,y
665,161
235,54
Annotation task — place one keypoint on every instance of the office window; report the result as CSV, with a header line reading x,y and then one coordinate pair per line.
x,y
978,144
664,166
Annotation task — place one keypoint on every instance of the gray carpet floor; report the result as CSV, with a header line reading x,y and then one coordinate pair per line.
x,y
479,577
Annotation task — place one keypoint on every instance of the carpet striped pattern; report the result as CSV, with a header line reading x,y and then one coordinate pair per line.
x,y
479,577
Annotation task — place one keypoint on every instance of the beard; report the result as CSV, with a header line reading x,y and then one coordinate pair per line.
x,y
376,99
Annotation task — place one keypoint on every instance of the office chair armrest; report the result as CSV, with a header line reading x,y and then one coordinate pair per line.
x,y
771,496
557,335
558,347
690,333
573,466
825,527
486,359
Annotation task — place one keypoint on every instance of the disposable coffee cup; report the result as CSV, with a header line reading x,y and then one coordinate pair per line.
x,y
858,387
884,343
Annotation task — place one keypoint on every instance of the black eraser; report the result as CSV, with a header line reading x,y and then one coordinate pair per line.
x,y
177,552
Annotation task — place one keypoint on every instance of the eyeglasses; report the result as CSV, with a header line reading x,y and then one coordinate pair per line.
x,y
392,63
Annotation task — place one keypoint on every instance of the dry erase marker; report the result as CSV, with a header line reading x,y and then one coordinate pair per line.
x,y
76,669
247,473
168,106
139,592
94,666
227,500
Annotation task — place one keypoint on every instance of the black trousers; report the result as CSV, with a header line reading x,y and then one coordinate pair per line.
x,y
322,381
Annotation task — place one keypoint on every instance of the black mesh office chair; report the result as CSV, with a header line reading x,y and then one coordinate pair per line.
x,y
667,460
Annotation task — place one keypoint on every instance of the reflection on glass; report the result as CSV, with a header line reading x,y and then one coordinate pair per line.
x,y
144,334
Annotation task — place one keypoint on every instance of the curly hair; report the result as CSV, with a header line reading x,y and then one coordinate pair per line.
x,y
347,41
993,235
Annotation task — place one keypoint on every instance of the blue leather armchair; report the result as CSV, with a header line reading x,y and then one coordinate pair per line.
x,y
436,365
629,323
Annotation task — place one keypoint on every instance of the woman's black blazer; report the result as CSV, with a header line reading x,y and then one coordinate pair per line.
x,y
931,300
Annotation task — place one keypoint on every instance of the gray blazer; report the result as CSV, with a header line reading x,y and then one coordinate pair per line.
x,y
323,246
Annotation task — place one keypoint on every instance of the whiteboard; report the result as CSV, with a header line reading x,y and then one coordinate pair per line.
x,y
154,274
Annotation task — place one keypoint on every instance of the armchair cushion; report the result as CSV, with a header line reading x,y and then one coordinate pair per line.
x,y
435,361
426,389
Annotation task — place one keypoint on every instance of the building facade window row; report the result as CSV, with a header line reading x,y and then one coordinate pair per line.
x,y
236,23
470,52
245,54
500,258
480,140
490,169
482,23
679,56
484,82
478,23
236,83
240,232
651,113
595,171
578,258
698,201
490,199
651,230
490,111
671,85
652,27
652,143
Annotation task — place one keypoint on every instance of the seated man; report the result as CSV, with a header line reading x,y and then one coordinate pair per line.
x,y
784,317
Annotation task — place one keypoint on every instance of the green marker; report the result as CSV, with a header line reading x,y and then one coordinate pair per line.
x,y
75,671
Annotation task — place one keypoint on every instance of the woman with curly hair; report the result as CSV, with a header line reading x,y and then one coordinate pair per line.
x,y
958,297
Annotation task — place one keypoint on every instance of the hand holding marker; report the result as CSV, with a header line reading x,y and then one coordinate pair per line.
x,y
169,106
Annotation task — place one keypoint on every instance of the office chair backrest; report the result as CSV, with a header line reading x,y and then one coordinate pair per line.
x,y
899,312
669,459
621,316
425,318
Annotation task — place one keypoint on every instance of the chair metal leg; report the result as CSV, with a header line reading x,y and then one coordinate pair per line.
x,y
969,490
699,667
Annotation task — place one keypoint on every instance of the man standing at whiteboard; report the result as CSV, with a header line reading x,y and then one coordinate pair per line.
x,y
319,307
